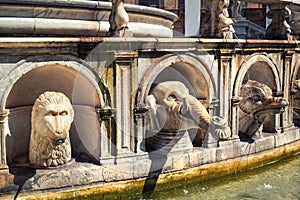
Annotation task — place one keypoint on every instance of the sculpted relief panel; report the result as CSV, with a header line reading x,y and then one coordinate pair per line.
x,y
52,115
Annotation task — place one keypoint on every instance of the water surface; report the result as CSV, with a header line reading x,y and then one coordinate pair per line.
x,y
280,180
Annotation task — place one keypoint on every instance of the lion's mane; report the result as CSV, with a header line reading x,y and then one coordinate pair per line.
x,y
51,118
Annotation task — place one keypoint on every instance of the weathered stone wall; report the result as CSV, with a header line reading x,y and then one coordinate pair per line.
x,y
109,80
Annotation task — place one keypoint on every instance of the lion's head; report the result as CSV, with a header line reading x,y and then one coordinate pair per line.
x,y
52,115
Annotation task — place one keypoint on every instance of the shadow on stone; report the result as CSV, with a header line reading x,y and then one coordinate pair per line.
x,y
157,164
21,175
158,147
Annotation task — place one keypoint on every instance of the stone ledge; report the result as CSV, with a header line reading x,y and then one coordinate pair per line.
x,y
141,166
134,186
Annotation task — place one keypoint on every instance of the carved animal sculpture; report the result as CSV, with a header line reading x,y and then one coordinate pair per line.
x,y
52,115
173,109
257,102
118,18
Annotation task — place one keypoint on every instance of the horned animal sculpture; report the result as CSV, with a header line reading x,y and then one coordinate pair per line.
x,y
52,115
257,102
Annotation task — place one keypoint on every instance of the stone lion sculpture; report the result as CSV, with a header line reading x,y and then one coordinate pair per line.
x,y
51,118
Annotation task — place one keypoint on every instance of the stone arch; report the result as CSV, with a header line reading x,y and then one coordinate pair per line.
x,y
67,63
196,72
191,70
253,61
63,73
261,68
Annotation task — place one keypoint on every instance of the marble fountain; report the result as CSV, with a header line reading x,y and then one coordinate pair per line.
x,y
150,110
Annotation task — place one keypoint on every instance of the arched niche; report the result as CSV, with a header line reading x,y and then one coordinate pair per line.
x,y
190,70
187,68
66,74
259,67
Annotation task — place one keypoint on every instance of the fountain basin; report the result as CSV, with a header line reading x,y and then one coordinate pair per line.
x,y
79,18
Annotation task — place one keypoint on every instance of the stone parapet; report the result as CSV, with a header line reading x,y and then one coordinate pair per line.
x,y
108,81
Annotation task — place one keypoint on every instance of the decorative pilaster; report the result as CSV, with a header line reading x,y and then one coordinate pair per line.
x,y
235,100
286,88
224,85
3,132
279,27
125,85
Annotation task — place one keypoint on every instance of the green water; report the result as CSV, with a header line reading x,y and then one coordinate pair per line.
x,y
280,180
276,181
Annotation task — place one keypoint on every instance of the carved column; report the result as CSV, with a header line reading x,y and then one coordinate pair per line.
x,y
3,132
279,27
